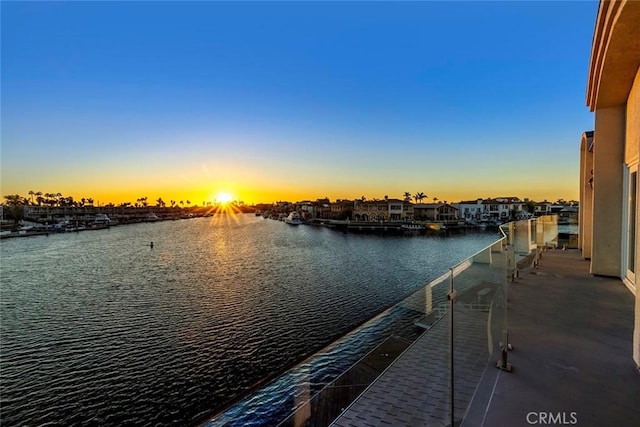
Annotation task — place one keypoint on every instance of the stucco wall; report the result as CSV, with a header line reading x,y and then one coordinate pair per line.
x,y
608,170
632,150
632,155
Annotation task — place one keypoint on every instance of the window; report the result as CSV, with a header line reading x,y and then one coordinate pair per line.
x,y
630,230
632,212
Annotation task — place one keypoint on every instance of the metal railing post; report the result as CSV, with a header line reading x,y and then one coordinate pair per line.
x,y
451,297
505,346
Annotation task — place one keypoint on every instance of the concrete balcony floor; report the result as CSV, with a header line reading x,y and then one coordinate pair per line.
x,y
571,334
572,337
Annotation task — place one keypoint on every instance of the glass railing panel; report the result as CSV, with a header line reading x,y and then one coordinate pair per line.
x,y
508,230
428,305
547,231
522,243
409,319
523,236
533,232
478,320
568,231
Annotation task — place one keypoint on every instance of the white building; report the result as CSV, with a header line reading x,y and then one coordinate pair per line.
x,y
500,208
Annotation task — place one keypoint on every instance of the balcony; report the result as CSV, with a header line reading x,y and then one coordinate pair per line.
x,y
566,359
572,358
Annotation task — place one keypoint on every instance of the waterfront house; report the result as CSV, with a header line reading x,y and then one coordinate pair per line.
x,y
609,155
500,209
322,208
45,213
306,209
471,210
542,208
341,209
504,208
568,215
382,210
435,212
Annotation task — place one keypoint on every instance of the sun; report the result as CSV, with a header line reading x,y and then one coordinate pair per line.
x,y
223,198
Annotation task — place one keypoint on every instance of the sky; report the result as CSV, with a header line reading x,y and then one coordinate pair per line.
x,y
271,101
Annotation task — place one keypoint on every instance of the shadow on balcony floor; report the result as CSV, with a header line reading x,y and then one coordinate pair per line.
x,y
572,358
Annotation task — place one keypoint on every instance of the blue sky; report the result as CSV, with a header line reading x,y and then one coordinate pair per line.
x,y
294,100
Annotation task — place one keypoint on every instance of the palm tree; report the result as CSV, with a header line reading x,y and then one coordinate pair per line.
x,y
419,197
39,197
14,208
407,196
435,200
15,200
142,201
31,193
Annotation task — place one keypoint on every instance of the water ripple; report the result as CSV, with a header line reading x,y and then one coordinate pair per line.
x,y
97,328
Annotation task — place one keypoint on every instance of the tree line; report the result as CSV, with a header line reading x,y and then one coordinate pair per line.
x,y
38,198
418,197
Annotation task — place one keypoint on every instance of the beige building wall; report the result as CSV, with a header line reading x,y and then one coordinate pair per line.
x,y
608,171
632,149
613,93
632,157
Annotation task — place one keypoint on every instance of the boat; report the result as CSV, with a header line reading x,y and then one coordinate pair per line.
x,y
293,219
411,227
151,217
63,224
101,219
436,226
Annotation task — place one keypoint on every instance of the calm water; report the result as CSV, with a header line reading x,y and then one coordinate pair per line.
x,y
97,327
